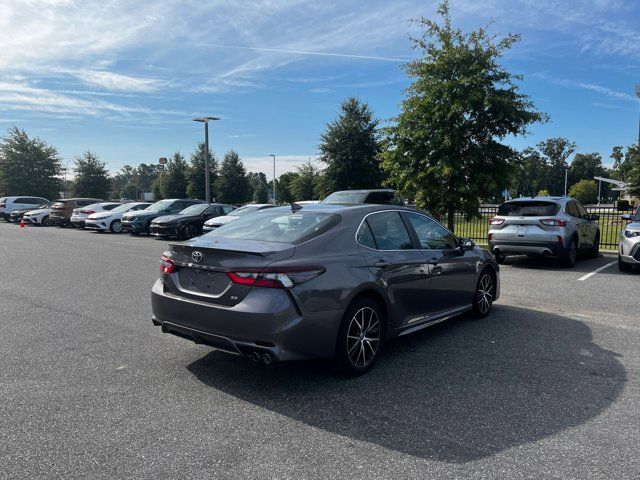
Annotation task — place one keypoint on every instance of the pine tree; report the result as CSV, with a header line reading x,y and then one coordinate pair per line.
x,y
196,174
92,177
232,184
173,182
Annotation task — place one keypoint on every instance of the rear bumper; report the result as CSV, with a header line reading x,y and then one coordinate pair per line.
x,y
266,321
56,220
521,248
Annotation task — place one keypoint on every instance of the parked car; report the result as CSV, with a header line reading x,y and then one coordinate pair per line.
x,y
629,246
111,220
140,221
62,210
188,223
557,226
378,196
18,215
79,215
40,216
232,215
321,281
10,204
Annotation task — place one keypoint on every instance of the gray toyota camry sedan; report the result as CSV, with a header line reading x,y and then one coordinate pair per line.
x,y
328,281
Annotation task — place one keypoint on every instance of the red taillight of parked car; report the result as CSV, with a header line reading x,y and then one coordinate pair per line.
x,y
3,205
554,222
87,212
496,221
167,265
285,277
490,236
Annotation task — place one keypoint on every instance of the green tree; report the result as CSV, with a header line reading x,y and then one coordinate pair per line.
x,y
28,166
156,188
232,184
585,166
632,159
196,173
92,177
120,179
350,149
130,190
305,185
259,187
585,190
283,187
532,172
446,149
173,182
145,175
556,151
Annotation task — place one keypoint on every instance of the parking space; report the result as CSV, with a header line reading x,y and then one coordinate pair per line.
x,y
546,387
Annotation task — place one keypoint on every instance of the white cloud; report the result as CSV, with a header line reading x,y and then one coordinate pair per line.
x,y
118,82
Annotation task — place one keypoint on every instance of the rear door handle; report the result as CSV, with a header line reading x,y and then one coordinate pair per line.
x,y
381,264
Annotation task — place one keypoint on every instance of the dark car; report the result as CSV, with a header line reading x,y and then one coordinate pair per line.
x,y
140,221
379,196
17,215
188,223
320,281
61,210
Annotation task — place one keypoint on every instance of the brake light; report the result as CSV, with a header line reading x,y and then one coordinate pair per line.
x,y
553,222
496,221
285,277
560,240
3,205
490,236
88,212
167,265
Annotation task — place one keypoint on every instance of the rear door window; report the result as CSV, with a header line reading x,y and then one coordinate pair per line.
x,y
431,234
364,236
572,210
580,209
227,209
389,232
533,208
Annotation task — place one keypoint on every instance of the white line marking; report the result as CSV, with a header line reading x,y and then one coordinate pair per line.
x,y
597,270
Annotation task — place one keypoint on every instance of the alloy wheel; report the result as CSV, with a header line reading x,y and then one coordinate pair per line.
x,y
116,226
485,293
363,337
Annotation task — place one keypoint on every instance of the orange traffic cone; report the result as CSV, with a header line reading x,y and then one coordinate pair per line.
x,y
22,223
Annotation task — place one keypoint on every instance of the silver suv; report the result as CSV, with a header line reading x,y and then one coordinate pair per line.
x,y
629,247
557,226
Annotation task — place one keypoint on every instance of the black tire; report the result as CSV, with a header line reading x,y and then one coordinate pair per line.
x,y
484,294
594,252
500,258
190,231
623,266
45,221
116,226
360,337
134,233
569,258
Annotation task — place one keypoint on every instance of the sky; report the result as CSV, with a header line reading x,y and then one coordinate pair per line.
x,y
124,79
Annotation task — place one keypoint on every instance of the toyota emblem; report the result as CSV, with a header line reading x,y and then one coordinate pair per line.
x,y
197,256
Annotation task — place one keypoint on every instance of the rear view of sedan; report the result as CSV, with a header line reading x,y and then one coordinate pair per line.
x,y
326,281
629,246
111,220
79,215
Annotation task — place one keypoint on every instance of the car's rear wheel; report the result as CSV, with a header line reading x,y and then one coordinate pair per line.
x,y
500,257
569,258
45,221
595,249
189,231
624,266
116,226
360,337
484,294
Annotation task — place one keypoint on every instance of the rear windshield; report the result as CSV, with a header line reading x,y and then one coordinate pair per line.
x,y
534,208
60,203
345,197
287,227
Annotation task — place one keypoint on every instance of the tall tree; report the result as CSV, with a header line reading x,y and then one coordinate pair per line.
x,y
259,187
145,175
446,148
196,174
532,173
120,179
632,177
556,152
585,166
173,182
232,184
28,166
585,190
92,177
306,184
350,149
283,187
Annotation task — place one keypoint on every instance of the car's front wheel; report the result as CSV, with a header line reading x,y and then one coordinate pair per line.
x,y
484,294
190,231
595,249
45,221
116,226
360,337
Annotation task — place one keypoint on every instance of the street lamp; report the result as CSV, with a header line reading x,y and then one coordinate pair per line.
x,y
274,178
207,186
638,94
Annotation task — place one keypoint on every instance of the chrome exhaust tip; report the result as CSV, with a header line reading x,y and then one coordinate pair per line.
x,y
267,359
255,356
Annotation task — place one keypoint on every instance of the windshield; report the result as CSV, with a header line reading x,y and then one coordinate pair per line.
x,y
244,210
534,208
122,208
195,209
287,227
345,197
159,206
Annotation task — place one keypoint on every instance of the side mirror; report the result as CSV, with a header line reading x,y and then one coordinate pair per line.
x,y
467,244
626,217
593,217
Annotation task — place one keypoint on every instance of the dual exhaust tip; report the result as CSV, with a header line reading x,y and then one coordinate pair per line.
x,y
266,357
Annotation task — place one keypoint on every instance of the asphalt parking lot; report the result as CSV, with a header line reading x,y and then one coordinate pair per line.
x,y
546,387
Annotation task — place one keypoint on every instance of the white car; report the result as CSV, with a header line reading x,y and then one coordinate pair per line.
x,y
112,219
9,204
39,216
79,215
216,222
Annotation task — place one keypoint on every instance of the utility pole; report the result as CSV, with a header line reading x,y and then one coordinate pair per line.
x,y
274,178
207,185
566,176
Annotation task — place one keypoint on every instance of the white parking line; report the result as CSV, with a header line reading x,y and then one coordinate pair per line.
x,y
597,270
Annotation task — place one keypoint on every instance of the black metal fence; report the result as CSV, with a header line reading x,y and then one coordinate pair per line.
x,y
477,228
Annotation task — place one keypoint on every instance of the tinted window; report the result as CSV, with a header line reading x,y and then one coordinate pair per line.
x,y
111,207
22,200
345,197
533,208
572,209
85,202
197,209
381,198
227,209
364,236
431,234
580,209
389,232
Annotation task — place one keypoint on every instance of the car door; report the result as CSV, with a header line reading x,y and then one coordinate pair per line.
x,y
452,272
591,227
400,268
580,224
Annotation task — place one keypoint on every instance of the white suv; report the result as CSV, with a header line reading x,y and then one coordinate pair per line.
x,y
9,204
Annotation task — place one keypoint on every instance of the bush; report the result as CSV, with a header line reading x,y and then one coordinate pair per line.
x,y
586,191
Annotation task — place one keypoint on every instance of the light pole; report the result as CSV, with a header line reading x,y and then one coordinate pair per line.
x,y
274,178
638,94
566,176
207,186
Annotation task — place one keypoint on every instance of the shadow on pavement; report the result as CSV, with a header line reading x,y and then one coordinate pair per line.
x,y
457,392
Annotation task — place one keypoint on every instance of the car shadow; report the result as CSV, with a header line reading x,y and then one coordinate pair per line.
x,y
541,262
457,392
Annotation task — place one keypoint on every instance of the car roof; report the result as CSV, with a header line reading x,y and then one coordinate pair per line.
x,y
546,198
343,208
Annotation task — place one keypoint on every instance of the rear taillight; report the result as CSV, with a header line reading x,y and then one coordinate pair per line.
x,y
167,265
285,277
3,205
87,212
554,222
496,221
490,236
